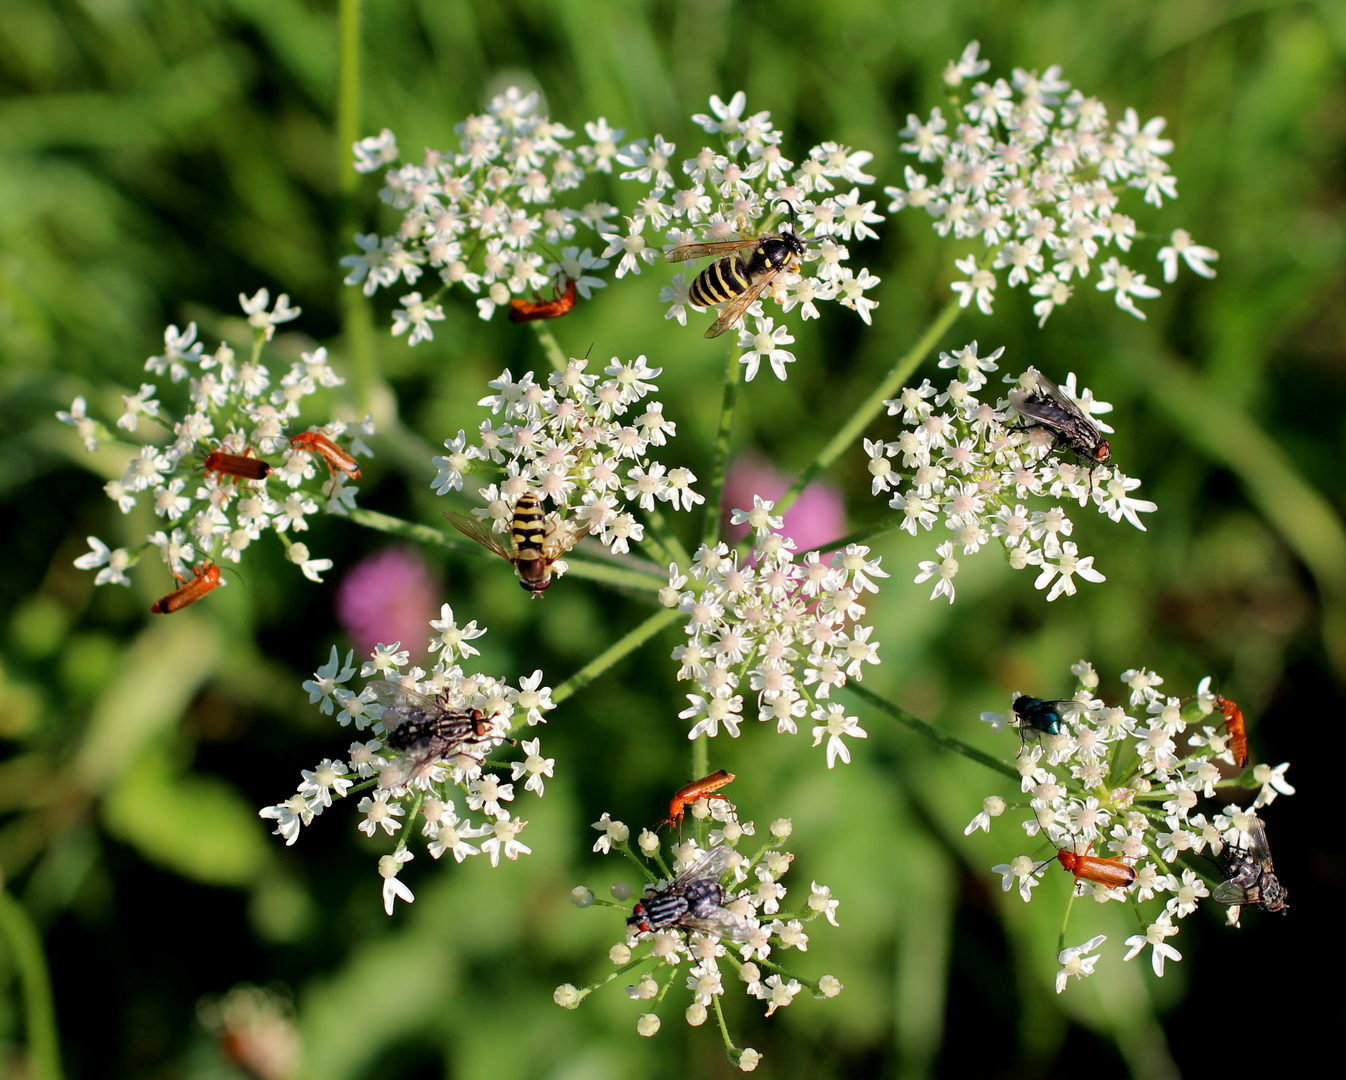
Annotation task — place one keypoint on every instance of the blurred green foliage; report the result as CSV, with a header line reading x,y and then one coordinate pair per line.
x,y
157,158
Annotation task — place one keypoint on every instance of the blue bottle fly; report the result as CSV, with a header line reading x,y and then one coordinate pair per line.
x,y
1038,717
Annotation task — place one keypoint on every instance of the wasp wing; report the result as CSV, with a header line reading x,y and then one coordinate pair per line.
x,y
683,252
480,532
734,310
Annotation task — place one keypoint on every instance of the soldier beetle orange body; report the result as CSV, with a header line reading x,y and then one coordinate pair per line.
x,y
239,466
1113,873
207,578
528,310
1238,731
315,442
705,788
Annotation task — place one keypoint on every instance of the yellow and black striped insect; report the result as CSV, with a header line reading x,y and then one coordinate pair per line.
x,y
735,280
537,540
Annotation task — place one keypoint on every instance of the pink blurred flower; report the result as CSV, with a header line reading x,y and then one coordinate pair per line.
x,y
817,517
386,597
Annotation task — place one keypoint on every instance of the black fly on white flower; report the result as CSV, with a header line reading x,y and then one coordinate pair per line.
x,y
1050,407
693,900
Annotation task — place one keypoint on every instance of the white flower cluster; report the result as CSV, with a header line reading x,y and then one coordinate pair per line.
x,y
735,192
575,444
691,915
448,722
1036,171
478,214
786,626
233,410
1112,786
972,462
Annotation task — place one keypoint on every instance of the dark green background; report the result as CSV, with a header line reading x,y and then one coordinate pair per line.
x,y
158,158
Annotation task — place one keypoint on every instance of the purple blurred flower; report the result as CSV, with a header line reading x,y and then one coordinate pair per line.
x,y
817,517
386,597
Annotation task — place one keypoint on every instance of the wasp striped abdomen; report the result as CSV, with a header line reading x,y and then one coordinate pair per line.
x,y
722,280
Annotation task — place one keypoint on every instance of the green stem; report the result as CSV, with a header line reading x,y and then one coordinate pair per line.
x,y
872,405
733,373
44,1055
891,524
614,652
931,732
658,525
617,576
551,348
724,1028
357,322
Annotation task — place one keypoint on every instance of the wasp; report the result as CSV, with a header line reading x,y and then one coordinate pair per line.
x,y
694,900
207,578
528,310
315,442
1113,873
737,281
1251,879
537,540
427,730
1052,408
1238,731
239,466
705,788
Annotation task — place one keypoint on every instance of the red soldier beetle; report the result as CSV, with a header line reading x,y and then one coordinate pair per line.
x,y
705,788
1238,731
315,442
239,466
528,310
207,578
1113,873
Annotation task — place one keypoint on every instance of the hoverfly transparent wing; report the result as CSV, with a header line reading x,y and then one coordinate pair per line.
x,y
480,532
683,252
733,311
562,535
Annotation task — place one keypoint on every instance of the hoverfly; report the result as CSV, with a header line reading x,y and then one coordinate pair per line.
x,y
207,578
705,788
315,442
528,310
1238,730
737,281
694,900
427,730
1249,871
1113,873
240,466
537,540
1056,411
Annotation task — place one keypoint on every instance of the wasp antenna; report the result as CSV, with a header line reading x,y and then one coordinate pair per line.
x,y
794,224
